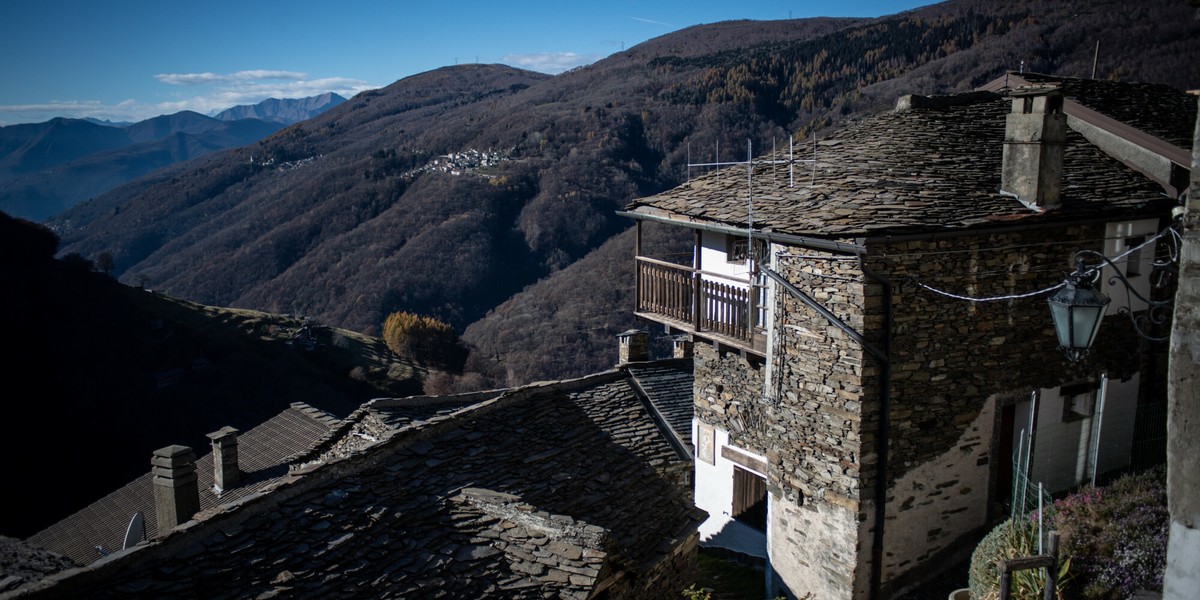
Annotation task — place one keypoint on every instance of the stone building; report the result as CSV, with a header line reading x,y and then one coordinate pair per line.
x,y
574,489
872,336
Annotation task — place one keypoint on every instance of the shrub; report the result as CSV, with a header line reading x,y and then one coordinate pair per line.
x,y
1012,539
1117,534
1113,540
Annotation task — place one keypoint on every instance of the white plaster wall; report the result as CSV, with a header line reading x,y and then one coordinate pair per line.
x,y
814,548
935,503
1116,428
712,258
1060,448
714,485
1060,453
714,494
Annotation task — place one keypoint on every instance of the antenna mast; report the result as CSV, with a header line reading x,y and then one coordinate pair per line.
x,y
750,163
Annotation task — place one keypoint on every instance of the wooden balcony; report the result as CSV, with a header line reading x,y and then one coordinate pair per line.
x,y
730,310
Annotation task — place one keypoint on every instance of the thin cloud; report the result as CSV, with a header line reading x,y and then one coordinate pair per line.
x,y
551,63
213,78
51,106
211,93
652,22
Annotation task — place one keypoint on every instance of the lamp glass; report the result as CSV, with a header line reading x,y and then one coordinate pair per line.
x,y
1078,312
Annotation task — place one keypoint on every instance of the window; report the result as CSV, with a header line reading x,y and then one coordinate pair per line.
x,y
736,249
1079,401
1133,261
1135,267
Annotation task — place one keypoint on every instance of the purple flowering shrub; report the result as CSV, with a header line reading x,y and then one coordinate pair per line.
x,y
1115,535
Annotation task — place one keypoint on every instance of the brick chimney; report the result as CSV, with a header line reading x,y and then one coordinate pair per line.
x,y
226,472
633,346
1034,135
681,347
176,494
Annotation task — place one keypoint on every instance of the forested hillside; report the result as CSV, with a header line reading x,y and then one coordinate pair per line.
x,y
48,167
453,193
102,374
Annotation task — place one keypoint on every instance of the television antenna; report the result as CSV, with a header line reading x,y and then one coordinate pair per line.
x,y
750,163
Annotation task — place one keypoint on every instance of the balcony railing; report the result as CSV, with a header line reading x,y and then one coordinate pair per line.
x,y
728,308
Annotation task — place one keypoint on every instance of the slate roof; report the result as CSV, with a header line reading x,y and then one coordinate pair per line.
x,y
911,171
21,562
550,490
262,454
667,389
1160,110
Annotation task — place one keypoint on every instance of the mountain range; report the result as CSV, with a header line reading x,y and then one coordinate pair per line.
x,y
48,167
285,111
485,195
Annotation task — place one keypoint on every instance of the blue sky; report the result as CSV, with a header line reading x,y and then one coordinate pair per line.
x,y
129,60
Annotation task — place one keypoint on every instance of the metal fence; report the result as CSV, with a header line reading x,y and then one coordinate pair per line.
x,y
1029,497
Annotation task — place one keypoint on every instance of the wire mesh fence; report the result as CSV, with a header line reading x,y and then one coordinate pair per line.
x,y
1029,498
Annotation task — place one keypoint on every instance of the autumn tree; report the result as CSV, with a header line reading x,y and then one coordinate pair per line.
x,y
424,339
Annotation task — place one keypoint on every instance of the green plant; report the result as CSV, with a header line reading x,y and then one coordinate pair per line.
x,y
694,593
1012,539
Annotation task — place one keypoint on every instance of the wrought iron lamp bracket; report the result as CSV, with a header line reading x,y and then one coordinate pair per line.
x,y
1163,273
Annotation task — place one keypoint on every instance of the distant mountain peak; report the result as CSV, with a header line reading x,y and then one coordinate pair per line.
x,y
285,111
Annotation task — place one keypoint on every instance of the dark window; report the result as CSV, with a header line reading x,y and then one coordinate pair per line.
x,y
736,249
1133,260
1079,401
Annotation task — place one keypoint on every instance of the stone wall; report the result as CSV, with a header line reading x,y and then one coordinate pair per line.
x,y
728,395
950,355
954,363
823,382
815,550
825,390
933,505
950,358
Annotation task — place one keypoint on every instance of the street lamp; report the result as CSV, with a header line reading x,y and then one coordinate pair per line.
x,y
1078,310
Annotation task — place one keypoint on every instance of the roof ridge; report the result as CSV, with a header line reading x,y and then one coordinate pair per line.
x,y
315,413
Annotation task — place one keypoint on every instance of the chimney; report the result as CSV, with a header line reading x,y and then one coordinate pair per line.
x,y
681,347
225,459
176,494
633,346
1034,135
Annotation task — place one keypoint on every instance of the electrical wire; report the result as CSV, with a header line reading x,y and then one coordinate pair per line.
x,y
918,283
1175,240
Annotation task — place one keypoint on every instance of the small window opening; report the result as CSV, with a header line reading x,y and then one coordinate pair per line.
x,y
1079,401
737,249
